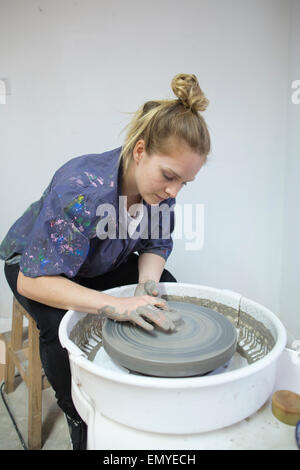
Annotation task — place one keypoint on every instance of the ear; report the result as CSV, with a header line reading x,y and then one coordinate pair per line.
x,y
138,151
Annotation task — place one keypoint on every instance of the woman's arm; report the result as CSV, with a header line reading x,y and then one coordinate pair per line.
x,y
151,267
59,292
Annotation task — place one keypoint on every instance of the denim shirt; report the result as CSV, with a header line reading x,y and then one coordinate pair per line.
x,y
60,233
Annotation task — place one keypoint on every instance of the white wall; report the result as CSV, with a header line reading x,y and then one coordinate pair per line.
x,y
290,291
76,67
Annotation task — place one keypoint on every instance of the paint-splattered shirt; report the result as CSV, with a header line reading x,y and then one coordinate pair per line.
x,y
61,232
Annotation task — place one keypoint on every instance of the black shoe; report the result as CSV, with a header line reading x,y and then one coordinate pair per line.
x,y
78,433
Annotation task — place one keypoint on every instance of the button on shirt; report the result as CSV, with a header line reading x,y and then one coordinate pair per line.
x,y
65,231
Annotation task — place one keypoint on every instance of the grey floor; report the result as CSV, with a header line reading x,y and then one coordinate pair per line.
x,y
55,434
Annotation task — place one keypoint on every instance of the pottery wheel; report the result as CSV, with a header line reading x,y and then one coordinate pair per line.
x,y
203,340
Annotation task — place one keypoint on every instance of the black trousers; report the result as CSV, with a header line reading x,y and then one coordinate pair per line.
x,y
54,357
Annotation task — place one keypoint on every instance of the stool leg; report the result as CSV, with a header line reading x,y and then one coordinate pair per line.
x,y
34,389
15,344
9,375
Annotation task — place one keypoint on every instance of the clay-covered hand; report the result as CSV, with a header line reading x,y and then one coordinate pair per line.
x,y
150,287
137,309
147,288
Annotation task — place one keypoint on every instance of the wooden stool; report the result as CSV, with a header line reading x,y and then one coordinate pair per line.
x,y
22,352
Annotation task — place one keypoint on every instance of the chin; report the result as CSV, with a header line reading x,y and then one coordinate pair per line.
x,y
152,199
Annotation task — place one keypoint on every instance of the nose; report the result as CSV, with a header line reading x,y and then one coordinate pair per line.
x,y
173,189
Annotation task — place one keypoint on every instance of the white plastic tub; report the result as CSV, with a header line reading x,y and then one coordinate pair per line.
x,y
174,405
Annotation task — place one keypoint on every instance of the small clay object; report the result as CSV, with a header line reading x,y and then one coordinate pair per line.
x,y
286,406
202,341
297,434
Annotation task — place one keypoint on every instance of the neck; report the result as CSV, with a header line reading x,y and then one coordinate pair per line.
x,y
128,186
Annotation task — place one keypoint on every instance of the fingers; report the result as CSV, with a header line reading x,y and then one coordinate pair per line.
x,y
169,312
157,301
173,314
146,288
134,317
157,316
156,310
110,312
151,288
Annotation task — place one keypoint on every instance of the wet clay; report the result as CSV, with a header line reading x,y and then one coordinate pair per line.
x,y
202,341
253,343
254,340
87,334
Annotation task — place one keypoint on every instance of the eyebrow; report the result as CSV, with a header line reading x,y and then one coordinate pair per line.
x,y
178,175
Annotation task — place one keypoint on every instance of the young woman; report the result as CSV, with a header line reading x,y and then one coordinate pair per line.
x,y
59,255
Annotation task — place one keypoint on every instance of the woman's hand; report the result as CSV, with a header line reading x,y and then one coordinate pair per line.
x,y
150,287
135,309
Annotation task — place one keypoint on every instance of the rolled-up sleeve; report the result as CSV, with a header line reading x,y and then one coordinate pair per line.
x,y
59,240
161,222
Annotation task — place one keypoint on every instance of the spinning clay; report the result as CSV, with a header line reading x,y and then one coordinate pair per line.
x,y
202,341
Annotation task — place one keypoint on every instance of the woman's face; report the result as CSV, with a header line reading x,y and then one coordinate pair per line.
x,y
161,176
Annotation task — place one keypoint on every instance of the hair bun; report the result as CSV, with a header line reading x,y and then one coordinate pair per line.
x,y
186,88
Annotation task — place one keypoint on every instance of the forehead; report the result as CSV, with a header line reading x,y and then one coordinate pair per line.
x,y
180,158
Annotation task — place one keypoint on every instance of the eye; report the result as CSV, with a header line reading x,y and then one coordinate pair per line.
x,y
170,178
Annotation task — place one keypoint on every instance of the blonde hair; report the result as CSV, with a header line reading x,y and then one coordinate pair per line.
x,y
157,120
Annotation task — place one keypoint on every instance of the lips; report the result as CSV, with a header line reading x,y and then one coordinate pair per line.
x,y
160,198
